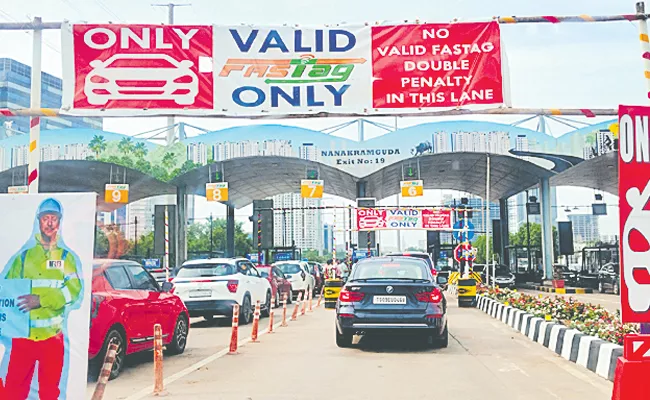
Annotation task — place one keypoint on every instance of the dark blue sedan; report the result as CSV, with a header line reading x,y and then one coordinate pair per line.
x,y
388,295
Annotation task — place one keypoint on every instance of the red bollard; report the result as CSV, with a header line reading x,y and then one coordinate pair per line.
x,y
235,330
271,313
284,310
256,322
98,394
320,297
632,370
294,316
157,359
311,295
304,305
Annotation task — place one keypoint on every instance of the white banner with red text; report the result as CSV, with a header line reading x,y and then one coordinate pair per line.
x,y
251,71
373,219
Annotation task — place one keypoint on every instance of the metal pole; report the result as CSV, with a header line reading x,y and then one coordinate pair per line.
x,y
35,103
211,238
136,235
259,238
488,236
527,233
350,231
166,243
399,232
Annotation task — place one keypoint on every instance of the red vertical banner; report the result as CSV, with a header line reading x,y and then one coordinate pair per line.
x,y
436,65
634,211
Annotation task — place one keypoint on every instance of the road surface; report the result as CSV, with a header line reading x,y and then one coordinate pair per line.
x,y
485,359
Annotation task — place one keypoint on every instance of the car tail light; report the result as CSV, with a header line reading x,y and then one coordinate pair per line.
x,y
431,316
350,297
434,272
434,296
232,286
183,79
98,79
346,315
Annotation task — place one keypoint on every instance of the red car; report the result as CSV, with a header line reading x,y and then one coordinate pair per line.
x,y
126,304
279,283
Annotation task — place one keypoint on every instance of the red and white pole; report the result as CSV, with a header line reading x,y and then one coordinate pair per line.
x,y
35,103
256,322
311,295
157,359
304,305
98,394
234,337
294,316
284,310
271,314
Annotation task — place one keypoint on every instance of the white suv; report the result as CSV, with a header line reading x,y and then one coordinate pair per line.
x,y
211,287
297,273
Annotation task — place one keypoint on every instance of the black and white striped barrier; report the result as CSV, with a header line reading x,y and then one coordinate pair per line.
x,y
593,353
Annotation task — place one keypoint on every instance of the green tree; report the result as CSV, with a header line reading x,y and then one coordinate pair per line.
x,y
520,238
126,145
140,150
198,238
169,160
479,244
413,248
97,145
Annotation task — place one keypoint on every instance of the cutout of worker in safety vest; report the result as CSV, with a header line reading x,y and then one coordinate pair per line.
x,y
36,365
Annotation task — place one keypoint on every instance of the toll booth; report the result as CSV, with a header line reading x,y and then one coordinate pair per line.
x,y
593,259
520,266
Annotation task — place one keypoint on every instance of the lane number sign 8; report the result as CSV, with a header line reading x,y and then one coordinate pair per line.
x,y
216,191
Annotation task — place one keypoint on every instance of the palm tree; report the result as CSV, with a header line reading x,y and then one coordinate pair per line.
x,y
169,160
126,145
140,150
97,145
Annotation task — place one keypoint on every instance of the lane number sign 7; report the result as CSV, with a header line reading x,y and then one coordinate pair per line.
x,y
311,189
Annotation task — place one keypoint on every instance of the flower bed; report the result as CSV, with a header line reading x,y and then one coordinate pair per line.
x,y
587,318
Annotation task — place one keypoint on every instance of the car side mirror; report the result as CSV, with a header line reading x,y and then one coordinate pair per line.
x,y
167,287
442,280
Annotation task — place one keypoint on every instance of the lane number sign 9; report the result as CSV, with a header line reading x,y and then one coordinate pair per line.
x,y
116,193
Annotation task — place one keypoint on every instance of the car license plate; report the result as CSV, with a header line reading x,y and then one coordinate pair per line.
x,y
389,300
200,293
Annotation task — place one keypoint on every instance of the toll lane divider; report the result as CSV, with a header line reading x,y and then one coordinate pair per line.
x,y
147,392
558,290
593,353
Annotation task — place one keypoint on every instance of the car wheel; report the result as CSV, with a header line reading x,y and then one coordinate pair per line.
x,y
289,299
277,300
179,341
266,309
442,341
245,311
601,287
343,340
114,336
617,289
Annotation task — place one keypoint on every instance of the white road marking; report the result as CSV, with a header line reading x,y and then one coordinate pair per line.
x,y
148,391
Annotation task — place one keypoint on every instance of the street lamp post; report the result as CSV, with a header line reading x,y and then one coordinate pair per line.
x,y
528,233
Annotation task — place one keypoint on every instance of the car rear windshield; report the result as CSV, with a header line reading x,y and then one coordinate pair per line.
x,y
289,268
206,270
393,269
424,257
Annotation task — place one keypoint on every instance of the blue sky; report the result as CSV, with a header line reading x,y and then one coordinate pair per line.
x,y
551,66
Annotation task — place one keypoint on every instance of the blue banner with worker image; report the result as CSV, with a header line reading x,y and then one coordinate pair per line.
x,y
14,322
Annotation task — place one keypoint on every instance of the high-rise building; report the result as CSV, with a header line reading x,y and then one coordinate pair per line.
x,y
76,151
478,216
15,86
585,228
307,151
480,142
50,152
517,209
328,238
19,156
197,153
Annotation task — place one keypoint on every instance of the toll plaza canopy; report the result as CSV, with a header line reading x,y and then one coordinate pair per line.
x,y
259,161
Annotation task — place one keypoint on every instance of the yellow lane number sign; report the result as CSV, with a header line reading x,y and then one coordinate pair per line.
x,y
116,193
412,188
216,191
18,189
311,189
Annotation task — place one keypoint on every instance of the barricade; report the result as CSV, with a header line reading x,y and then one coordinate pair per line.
x,y
256,322
284,310
98,394
294,316
157,359
632,370
235,330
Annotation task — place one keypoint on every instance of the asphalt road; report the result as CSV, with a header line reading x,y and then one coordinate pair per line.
x,y
608,301
485,359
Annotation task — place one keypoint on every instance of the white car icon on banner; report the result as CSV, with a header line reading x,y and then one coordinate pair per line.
x,y
141,77
636,272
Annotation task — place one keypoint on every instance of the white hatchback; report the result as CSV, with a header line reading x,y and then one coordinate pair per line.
x,y
297,273
213,286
